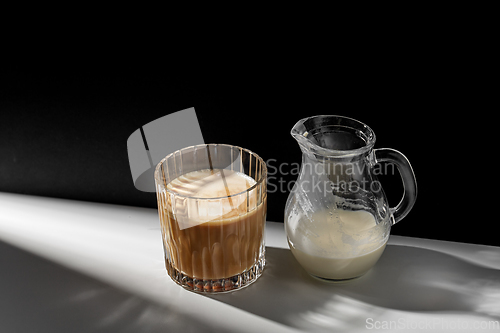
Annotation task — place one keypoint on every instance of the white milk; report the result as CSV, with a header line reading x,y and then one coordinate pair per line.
x,y
338,244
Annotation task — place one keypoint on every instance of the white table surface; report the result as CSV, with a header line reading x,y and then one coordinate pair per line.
x,y
72,266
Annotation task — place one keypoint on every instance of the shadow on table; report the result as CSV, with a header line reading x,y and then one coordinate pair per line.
x,y
404,279
37,295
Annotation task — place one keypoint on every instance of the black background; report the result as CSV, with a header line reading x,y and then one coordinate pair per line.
x,y
64,125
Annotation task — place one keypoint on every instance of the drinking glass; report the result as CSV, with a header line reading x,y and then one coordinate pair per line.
x,y
216,243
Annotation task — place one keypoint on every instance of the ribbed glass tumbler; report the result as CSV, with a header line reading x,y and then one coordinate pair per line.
x,y
212,202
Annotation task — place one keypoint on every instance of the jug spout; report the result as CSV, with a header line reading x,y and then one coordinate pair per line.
x,y
333,136
300,133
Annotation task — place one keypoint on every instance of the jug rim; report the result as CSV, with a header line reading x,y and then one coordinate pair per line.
x,y
302,128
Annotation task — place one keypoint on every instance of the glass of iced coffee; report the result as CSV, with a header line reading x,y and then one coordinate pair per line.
x,y
212,206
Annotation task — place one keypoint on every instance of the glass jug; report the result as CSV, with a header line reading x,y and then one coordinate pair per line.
x,y
337,219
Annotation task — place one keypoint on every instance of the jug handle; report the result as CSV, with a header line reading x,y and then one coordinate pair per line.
x,y
408,177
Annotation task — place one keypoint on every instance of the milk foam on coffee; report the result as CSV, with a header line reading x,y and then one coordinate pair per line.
x,y
210,183
205,184
343,244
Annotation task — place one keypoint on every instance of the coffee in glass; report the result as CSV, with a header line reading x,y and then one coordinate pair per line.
x,y
212,207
